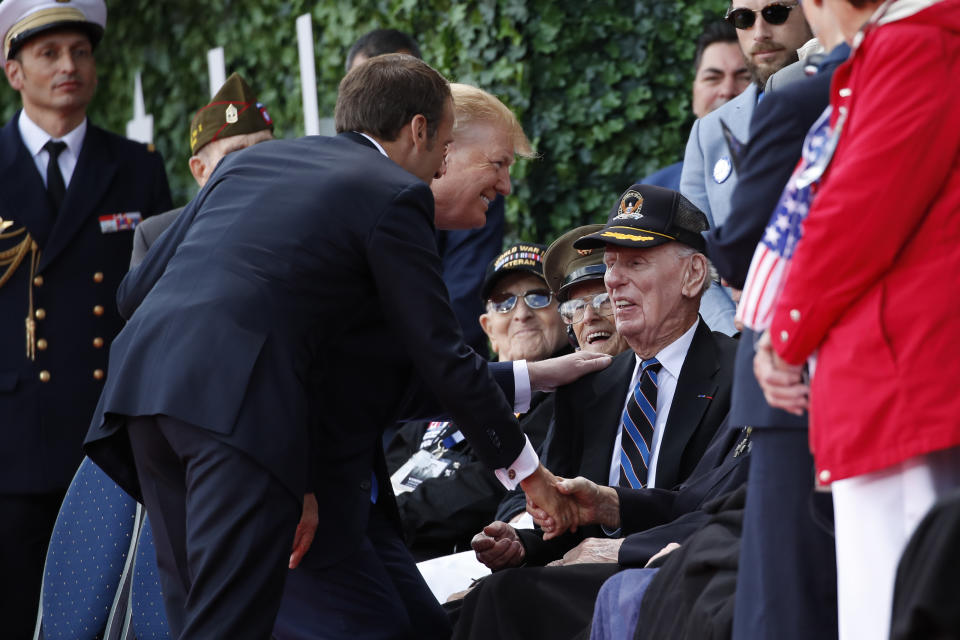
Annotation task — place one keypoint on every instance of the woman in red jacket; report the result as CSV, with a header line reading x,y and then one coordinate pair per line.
x,y
873,292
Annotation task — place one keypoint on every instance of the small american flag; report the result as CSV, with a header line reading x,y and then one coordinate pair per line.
x,y
771,259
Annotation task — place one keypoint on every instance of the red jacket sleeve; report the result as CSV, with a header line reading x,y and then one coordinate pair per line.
x,y
892,161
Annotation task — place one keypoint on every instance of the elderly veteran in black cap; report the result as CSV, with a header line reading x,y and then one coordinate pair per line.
x,y
629,436
576,278
233,120
444,493
71,195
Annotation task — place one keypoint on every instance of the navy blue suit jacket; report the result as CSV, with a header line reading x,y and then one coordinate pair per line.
x,y
290,303
780,124
79,269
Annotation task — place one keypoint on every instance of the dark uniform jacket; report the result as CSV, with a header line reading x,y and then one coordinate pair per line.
x,y
46,403
304,272
587,420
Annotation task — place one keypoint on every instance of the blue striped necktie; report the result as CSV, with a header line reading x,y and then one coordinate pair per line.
x,y
636,427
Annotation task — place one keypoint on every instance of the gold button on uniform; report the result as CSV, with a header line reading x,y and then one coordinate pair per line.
x,y
795,315
40,314
98,276
784,336
98,374
97,343
44,376
98,310
824,476
42,344
38,281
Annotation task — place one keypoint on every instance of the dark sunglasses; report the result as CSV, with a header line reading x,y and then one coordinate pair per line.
x,y
534,299
775,13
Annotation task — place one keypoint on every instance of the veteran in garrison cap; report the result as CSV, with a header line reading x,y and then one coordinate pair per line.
x,y
233,120
72,194
576,277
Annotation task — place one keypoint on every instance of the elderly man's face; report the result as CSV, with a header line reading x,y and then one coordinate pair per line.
x,y
478,168
768,47
522,332
722,76
649,289
595,332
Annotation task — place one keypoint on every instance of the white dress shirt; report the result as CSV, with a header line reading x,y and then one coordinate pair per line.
x,y
671,358
34,138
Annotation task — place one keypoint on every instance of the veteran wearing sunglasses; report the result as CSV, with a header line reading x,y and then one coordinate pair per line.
x,y
521,319
769,34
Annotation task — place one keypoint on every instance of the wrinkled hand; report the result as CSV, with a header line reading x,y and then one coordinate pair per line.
x,y
591,550
782,383
547,375
595,504
306,529
673,546
498,546
543,496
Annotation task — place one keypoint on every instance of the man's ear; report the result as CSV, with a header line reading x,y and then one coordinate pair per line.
x,y
14,73
485,325
695,276
198,169
419,132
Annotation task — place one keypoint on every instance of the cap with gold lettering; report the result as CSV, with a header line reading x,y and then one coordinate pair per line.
x,y
523,257
21,20
647,216
233,111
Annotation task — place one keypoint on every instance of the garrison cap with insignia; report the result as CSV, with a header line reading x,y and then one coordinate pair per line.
x,y
565,266
523,257
21,20
233,111
647,216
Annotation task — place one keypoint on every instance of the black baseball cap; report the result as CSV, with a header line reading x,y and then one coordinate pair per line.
x,y
647,216
523,257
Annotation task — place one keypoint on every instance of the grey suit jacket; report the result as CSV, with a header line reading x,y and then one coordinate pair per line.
x,y
708,179
147,233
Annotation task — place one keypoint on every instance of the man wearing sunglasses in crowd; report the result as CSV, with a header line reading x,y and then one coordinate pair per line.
x,y
769,34
613,427
445,494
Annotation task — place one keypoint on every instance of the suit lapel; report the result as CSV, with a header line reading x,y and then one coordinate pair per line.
x,y
740,126
91,179
695,390
602,408
25,198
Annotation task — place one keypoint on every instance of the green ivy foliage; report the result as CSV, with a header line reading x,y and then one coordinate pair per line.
x,y
601,87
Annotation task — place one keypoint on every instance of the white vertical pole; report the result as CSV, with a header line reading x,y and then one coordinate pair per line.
x,y
217,69
141,127
308,76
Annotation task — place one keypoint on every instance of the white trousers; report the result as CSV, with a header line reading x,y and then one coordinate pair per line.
x,y
874,516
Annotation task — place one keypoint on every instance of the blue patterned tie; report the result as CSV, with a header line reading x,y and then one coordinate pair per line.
x,y
636,427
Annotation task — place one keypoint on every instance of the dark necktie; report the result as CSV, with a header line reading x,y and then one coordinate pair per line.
x,y
55,186
636,441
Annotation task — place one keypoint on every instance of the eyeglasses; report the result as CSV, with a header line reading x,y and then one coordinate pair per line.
x,y
572,311
534,299
775,13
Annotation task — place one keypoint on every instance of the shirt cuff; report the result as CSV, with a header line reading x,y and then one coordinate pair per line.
x,y
525,464
521,387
